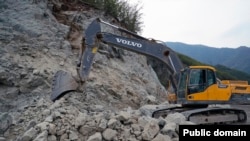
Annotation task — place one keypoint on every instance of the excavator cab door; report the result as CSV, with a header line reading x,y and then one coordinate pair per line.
x,y
182,86
194,85
197,81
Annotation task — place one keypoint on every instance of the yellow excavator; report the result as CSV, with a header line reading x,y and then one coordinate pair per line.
x,y
194,88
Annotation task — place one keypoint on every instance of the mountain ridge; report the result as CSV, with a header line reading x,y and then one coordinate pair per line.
x,y
234,58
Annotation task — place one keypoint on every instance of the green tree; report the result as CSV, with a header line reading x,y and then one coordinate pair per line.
x,y
128,15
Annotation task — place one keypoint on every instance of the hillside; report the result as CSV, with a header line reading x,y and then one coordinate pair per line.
x,y
37,39
237,58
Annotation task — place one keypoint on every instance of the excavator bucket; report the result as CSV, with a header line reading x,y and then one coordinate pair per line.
x,y
62,83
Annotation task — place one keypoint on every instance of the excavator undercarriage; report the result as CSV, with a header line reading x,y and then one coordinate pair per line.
x,y
209,115
192,85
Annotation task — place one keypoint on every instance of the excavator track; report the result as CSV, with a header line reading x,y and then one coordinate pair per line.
x,y
210,115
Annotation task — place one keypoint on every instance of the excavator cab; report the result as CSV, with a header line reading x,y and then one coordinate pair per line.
x,y
193,81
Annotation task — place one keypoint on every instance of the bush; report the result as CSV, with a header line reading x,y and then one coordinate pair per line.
x,y
129,16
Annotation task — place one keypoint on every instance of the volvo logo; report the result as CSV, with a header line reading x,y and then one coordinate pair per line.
x,y
127,42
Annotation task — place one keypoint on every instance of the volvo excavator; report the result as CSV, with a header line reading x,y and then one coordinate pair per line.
x,y
194,88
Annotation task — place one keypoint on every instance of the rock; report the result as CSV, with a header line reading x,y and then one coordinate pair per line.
x,y
109,134
170,130
113,123
43,126
103,124
49,119
150,130
126,133
96,137
29,134
52,138
80,119
56,104
176,118
2,139
66,45
61,63
86,130
45,50
136,130
99,108
135,127
64,137
72,136
46,112
151,99
161,122
52,129
143,120
42,136
161,137
31,123
36,72
12,93
123,116
6,121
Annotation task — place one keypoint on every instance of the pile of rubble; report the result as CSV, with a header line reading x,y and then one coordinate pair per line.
x,y
64,121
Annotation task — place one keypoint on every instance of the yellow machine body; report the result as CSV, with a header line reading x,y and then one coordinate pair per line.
x,y
199,84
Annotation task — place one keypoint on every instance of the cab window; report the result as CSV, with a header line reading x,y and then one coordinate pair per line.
x,y
197,81
210,77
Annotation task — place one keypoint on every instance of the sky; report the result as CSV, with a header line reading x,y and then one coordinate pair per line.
x,y
214,23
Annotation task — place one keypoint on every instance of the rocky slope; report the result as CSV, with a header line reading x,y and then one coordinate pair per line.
x,y
40,37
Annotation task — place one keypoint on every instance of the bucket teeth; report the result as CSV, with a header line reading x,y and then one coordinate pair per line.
x,y
62,83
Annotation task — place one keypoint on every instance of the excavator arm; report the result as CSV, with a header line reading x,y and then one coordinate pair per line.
x,y
138,44
134,43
